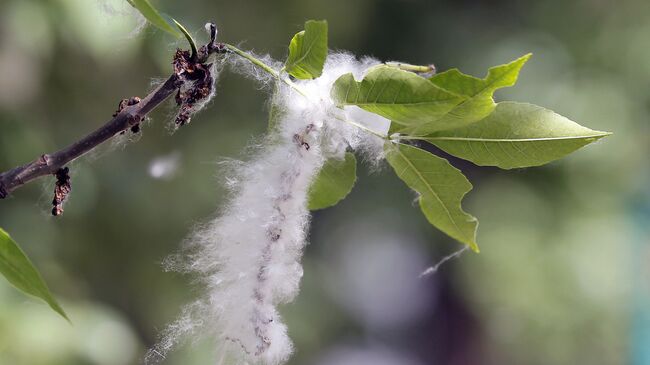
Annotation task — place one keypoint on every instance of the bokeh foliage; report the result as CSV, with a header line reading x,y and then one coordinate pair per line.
x,y
560,268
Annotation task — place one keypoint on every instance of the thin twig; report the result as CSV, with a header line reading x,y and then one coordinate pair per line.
x,y
266,68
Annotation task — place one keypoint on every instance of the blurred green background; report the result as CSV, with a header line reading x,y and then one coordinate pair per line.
x,y
563,276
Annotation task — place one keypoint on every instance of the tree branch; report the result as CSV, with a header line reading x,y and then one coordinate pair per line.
x,y
49,164
187,68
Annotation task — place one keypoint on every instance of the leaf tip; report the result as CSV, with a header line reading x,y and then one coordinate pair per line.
x,y
19,271
317,23
598,135
521,61
62,313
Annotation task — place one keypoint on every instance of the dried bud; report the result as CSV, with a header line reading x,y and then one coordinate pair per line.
x,y
61,190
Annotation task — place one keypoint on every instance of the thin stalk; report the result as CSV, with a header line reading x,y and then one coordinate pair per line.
x,y
360,126
398,137
268,69
412,68
189,38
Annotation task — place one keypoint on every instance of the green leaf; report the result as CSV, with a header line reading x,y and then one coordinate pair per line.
x,y
154,17
308,50
19,271
333,183
516,135
477,93
441,188
398,95
469,86
188,36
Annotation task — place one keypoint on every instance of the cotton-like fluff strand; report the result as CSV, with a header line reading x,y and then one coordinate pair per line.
x,y
248,258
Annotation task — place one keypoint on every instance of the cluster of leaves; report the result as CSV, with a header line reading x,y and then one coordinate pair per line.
x,y
451,110
455,112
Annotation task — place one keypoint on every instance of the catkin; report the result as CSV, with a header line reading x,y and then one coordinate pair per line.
x,y
248,257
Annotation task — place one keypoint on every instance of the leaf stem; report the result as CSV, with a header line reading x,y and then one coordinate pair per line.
x,y
412,68
189,38
268,69
397,137
360,126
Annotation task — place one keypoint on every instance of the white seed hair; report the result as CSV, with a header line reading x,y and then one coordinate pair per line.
x,y
248,257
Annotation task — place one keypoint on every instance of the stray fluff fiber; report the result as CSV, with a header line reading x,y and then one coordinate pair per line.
x,y
248,257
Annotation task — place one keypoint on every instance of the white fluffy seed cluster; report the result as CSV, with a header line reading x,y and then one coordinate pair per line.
x,y
248,257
